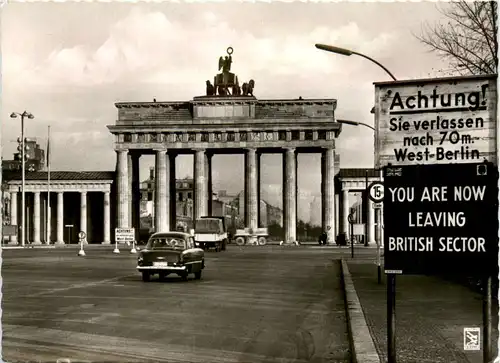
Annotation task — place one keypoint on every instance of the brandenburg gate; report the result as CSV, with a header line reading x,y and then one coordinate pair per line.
x,y
227,120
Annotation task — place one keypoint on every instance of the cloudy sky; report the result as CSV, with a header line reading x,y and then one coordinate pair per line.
x,y
68,63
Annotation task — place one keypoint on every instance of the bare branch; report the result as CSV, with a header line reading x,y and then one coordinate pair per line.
x,y
468,40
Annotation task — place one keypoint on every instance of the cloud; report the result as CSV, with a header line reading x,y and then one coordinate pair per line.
x,y
149,47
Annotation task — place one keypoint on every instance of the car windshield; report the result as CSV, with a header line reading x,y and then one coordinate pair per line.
x,y
160,243
207,225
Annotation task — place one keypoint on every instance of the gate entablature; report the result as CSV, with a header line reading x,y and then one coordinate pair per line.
x,y
201,138
226,122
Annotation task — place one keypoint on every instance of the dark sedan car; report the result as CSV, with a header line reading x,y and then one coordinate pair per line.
x,y
171,252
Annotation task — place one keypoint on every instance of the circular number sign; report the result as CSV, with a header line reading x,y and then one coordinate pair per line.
x,y
376,191
81,235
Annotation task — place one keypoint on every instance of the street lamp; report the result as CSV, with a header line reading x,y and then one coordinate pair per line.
x,y
347,52
23,171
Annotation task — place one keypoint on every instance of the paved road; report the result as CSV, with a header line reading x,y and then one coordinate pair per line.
x,y
253,304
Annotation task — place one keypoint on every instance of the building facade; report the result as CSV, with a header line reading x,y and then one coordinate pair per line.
x,y
35,158
55,213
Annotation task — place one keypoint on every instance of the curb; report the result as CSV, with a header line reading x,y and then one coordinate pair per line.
x,y
362,345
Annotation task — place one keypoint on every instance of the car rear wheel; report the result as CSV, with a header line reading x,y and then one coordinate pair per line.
x,y
146,276
240,241
262,241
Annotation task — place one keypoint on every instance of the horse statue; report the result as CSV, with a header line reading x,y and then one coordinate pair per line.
x,y
247,88
210,89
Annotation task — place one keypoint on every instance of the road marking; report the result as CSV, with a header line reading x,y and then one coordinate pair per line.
x,y
126,347
84,285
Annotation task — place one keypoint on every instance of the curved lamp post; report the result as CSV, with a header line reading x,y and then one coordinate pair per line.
x,y
23,171
347,52
355,123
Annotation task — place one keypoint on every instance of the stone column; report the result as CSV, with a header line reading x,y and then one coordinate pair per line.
x,y
208,173
251,207
200,185
130,170
162,193
172,190
370,222
337,214
60,218
107,219
122,189
36,219
13,215
134,201
297,195
83,214
328,190
259,204
289,195
48,222
345,212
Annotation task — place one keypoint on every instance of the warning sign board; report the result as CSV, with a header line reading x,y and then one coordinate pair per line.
x,y
441,218
125,234
436,121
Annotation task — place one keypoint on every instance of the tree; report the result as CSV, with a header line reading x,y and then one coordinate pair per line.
x,y
468,41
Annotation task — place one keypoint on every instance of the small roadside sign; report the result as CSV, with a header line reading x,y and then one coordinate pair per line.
x,y
81,235
125,234
376,191
10,230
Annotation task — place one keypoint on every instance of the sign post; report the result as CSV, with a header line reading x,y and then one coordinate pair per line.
x,y
126,235
351,220
376,195
69,226
133,250
440,134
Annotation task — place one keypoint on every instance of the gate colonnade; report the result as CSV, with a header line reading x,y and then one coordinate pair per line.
x,y
75,197
210,125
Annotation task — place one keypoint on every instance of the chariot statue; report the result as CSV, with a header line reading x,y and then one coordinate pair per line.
x,y
226,83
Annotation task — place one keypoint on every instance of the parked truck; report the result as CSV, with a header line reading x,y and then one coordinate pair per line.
x,y
211,232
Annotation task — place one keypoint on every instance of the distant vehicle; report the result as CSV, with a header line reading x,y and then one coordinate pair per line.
x,y
171,252
211,232
249,236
